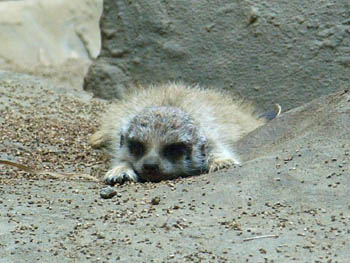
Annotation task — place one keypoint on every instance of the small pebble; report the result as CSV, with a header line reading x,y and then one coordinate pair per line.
x,y
108,192
155,200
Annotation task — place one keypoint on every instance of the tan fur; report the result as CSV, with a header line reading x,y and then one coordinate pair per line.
x,y
217,122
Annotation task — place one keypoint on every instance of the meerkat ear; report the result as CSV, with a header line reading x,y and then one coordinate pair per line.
x,y
122,140
273,113
203,146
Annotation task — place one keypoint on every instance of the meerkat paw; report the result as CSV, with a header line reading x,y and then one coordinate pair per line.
x,y
120,174
222,163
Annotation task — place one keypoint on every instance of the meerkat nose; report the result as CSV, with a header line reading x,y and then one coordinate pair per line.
x,y
151,165
151,168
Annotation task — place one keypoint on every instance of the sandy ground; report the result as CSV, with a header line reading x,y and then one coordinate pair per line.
x,y
287,203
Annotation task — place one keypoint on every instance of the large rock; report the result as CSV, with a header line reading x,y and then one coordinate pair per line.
x,y
40,32
287,53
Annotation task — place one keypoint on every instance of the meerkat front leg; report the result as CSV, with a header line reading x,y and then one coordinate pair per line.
x,y
120,173
221,158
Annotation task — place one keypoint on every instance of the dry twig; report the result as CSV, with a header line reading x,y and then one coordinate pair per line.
x,y
260,237
48,173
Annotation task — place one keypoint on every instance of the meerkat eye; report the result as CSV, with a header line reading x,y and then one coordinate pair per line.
x,y
176,150
136,148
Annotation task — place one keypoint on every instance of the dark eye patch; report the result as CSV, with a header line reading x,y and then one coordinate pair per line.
x,y
136,148
176,150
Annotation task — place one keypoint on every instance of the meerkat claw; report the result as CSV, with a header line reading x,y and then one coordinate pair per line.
x,y
222,163
118,175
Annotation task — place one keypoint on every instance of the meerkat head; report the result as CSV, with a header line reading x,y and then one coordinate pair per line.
x,y
163,143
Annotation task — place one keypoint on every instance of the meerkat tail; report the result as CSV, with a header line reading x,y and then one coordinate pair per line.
x,y
273,113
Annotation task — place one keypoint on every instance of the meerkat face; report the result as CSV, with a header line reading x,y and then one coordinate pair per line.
x,y
164,143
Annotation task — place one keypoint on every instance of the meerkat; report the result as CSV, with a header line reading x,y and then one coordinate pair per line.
x,y
173,130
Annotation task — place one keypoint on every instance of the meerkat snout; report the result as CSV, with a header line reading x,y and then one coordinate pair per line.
x,y
151,165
